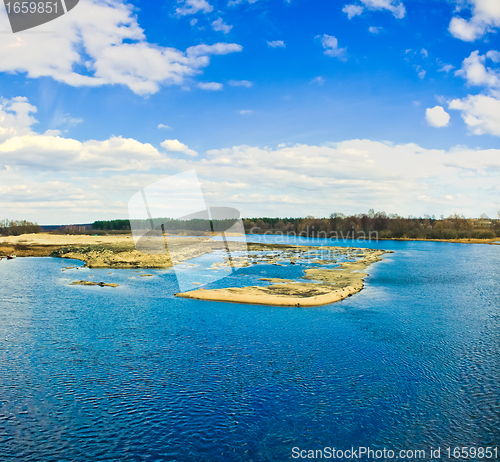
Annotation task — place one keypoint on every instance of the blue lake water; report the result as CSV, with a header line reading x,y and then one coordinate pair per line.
x,y
135,374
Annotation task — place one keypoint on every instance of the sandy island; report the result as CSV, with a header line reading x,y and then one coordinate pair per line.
x,y
333,284
320,285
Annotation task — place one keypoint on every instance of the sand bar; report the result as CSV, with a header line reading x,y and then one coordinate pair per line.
x,y
334,285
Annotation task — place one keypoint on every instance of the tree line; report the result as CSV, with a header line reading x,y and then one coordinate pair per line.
x,y
169,224
18,227
376,225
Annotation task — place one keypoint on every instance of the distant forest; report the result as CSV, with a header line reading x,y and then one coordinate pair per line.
x,y
373,224
17,227
378,225
168,224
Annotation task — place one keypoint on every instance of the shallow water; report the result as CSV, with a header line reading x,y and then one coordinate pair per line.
x,y
133,373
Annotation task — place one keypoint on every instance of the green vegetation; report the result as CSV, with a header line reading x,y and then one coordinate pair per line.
x,y
18,227
195,224
370,225
378,225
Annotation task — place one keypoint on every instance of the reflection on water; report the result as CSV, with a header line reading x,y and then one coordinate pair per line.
x,y
133,373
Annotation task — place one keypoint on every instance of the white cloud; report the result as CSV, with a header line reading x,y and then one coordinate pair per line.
x,y
245,111
237,2
102,45
60,118
424,52
446,68
276,44
240,83
437,117
194,6
374,30
319,80
177,146
481,113
220,25
213,86
163,126
15,118
493,55
352,10
485,17
193,22
421,73
331,46
394,6
52,132
20,146
348,175
53,153
318,180
475,72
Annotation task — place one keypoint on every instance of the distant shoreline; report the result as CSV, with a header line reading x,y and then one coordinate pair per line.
x,y
494,241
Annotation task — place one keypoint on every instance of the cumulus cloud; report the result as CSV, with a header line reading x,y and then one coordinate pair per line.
x,y
245,111
177,146
163,126
240,83
481,113
352,10
437,117
374,30
475,72
493,55
347,175
318,180
194,6
331,46
445,68
21,146
15,117
102,45
220,25
318,80
394,6
237,2
276,44
485,17
213,86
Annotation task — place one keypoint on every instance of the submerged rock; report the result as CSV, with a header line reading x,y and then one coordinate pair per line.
x,y
91,283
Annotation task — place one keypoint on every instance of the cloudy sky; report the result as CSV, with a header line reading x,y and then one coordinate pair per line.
x,y
283,107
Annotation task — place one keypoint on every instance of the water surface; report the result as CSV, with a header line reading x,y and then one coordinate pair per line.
x,y
135,374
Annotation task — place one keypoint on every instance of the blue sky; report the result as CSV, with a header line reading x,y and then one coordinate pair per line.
x,y
285,108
